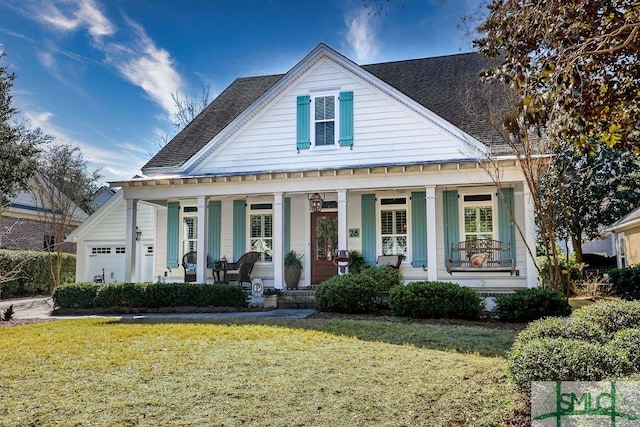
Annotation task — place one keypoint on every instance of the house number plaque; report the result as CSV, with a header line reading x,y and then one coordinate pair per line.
x,y
354,232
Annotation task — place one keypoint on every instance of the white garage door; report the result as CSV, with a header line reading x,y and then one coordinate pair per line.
x,y
107,262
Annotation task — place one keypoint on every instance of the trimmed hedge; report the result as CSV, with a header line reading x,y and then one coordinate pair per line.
x,y
149,295
525,305
611,316
562,327
385,277
350,293
598,342
435,300
557,359
36,273
625,282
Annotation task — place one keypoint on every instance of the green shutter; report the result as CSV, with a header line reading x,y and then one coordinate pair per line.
x,y
213,239
451,221
239,226
419,228
303,130
173,234
287,224
346,119
368,207
506,228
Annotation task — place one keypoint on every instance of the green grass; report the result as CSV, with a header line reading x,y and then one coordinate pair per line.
x,y
312,372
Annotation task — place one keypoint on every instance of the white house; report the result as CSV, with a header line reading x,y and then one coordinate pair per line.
x,y
391,149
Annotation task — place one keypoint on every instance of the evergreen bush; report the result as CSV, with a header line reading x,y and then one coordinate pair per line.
x,y
35,277
525,305
625,282
611,316
435,300
350,293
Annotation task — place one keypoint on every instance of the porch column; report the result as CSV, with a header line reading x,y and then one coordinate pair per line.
x,y
530,235
201,257
432,256
342,222
130,240
278,241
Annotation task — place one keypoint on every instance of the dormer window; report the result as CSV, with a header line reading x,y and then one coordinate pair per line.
x,y
324,119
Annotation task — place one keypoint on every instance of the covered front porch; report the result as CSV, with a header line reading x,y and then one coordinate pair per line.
x,y
417,211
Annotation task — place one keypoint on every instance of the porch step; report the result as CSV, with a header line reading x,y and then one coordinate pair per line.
x,y
297,298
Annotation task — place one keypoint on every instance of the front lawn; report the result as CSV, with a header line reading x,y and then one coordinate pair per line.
x,y
270,373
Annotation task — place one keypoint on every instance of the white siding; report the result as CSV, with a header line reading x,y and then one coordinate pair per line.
x,y
385,131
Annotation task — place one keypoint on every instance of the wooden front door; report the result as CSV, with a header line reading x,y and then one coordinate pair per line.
x,y
324,243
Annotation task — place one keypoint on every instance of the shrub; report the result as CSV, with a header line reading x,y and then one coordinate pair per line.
x,y
626,343
557,359
435,300
525,305
150,295
384,276
36,274
75,295
611,316
562,327
351,293
625,282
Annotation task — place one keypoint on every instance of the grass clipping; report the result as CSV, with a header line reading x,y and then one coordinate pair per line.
x,y
99,372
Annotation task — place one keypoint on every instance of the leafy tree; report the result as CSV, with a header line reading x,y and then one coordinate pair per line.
x,y
590,191
66,184
575,65
18,144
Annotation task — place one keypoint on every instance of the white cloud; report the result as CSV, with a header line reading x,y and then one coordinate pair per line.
x,y
361,36
73,14
148,67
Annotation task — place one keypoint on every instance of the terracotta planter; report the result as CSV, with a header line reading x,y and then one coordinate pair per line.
x,y
292,276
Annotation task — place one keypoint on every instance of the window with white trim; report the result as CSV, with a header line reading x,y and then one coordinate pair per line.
x,y
393,226
324,119
261,230
478,216
189,229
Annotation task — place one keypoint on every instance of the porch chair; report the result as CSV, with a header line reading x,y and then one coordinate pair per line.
x,y
189,265
392,260
240,271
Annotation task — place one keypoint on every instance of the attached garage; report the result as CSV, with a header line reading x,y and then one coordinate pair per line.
x,y
101,244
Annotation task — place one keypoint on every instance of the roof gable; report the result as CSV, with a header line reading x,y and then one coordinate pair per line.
x,y
427,82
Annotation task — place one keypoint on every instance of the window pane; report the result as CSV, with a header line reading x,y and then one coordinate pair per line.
x,y
470,224
386,222
325,133
190,228
485,219
400,222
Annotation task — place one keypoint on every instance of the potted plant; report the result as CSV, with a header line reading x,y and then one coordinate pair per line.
x,y
292,269
270,297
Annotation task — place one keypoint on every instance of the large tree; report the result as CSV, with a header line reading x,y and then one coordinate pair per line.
x,y
590,192
575,65
18,144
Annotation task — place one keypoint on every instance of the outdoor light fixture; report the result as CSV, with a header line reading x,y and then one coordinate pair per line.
x,y
138,233
315,201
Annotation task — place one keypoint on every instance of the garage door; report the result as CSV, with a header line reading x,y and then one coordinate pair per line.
x,y
107,262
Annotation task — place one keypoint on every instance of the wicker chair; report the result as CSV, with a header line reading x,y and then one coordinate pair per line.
x,y
240,271
189,265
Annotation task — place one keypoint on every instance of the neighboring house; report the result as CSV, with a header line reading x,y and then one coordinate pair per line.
x,y
604,245
24,222
389,153
627,236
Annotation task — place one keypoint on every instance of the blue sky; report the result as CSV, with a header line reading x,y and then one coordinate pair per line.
x,y
100,73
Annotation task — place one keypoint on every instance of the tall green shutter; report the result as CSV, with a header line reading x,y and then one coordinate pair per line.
x,y
346,119
368,207
213,238
173,234
303,129
239,226
506,228
451,221
287,224
419,228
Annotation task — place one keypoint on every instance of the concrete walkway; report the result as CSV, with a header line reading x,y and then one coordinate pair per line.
x,y
41,307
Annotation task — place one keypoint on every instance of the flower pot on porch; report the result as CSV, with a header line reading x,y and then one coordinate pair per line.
x,y
292,276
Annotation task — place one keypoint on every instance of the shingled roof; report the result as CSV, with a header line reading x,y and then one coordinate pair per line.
x,y
441,84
